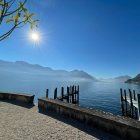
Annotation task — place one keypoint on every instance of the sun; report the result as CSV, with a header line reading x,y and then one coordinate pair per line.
x,y
34,36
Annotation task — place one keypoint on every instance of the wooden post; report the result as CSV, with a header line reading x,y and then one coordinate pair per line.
x,y
75,95
55,93
135,109
125,102
62,93
78,94
121,92
47,93
131,103
138,97
72,94
68,92
134,94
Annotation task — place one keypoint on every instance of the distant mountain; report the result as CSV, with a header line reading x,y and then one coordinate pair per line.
x,y
117,79
34,66
135,80
82,74
20,68
122,78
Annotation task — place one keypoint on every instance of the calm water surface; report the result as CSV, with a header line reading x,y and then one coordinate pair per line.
x,y
99,95
104,95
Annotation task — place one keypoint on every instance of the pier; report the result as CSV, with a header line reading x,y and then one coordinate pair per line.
x,y
130,104
71,95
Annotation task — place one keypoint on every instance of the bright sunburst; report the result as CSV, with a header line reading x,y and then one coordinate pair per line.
x,y
35,37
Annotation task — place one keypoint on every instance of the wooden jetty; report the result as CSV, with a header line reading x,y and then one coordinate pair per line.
x,y
71,96
130,104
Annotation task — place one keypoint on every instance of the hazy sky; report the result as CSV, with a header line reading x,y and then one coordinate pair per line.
x,y
101,37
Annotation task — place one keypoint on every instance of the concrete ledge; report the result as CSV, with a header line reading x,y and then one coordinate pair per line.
x,y
117,125
25,98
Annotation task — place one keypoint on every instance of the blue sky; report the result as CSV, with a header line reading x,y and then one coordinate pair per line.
x,y
101,37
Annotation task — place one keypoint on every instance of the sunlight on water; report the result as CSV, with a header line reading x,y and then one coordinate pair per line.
x,y
99,95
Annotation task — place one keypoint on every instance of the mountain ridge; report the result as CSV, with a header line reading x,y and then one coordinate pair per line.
x,y
25,67
121,78
135,80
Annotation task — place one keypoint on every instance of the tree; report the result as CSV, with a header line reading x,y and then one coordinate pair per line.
x,y
14,13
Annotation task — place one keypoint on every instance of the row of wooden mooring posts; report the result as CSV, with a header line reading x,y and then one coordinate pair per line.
x,y
71,96
130,103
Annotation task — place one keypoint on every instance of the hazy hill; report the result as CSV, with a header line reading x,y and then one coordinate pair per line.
x,y
135,80
117,79
82,74
24,70
122,78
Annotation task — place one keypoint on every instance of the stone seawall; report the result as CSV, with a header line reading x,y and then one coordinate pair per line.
x,y
24,98
117,125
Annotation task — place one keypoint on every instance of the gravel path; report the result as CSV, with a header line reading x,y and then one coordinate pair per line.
x,y
19,123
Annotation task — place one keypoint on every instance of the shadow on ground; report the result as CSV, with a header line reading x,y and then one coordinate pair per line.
x,y
22,104
99,134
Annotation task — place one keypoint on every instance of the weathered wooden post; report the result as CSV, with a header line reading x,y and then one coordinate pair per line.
x,y
121,92
138,97
75,94
78,94
135,109
47,93
62,93
125,98
134,94
68,92
55,93
72,94
131,103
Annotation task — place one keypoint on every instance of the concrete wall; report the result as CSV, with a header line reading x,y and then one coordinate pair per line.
x,y
123,127
26,98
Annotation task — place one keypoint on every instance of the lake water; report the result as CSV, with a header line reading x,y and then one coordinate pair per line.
x,y
99,95
105,95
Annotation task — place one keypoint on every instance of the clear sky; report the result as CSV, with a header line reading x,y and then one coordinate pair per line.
x,y
101,37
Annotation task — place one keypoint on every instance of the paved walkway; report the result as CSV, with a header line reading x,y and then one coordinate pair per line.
x,y
19,123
